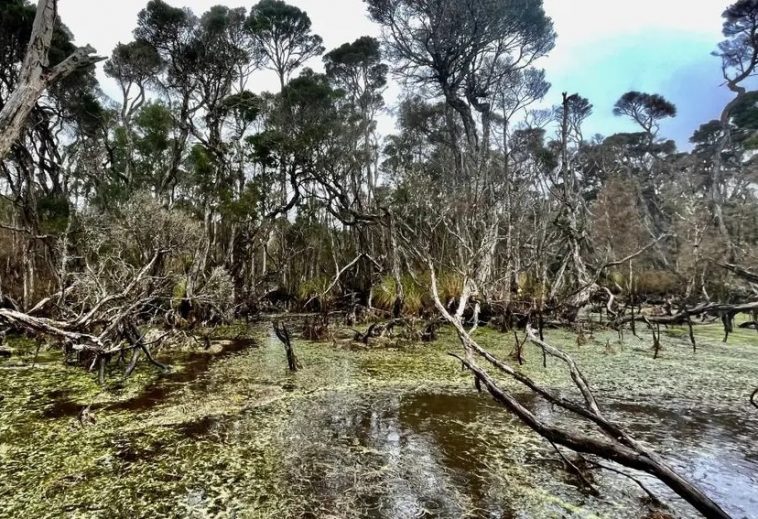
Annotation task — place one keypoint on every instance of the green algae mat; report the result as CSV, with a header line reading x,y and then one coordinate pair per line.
x,y
386,432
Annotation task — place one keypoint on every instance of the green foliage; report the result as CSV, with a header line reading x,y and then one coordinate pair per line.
x,y
745,120
243,207
645,109
203,167
245,106
357,69
153,123
163,26
417,291
314,288
385,295
54,212
134,62
283,36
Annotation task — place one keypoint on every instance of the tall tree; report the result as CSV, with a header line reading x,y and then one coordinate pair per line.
x,y
357,69
284,38
463,50
132,65
647,110
739,62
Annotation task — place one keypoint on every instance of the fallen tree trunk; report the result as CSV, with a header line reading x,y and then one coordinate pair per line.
x,y
740,272
682,316
617,445
637,458
80,341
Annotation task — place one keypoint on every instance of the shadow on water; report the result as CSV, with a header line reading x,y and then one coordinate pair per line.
x,y
198,429
194,365
62,405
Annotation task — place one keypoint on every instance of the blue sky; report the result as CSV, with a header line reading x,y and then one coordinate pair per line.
x,y
604,48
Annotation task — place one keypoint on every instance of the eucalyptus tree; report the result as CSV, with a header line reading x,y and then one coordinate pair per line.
x,y
283,36
647,110
284,42
645,151
464,53
46,87
132,65
463,50
169,30
357,69
739,63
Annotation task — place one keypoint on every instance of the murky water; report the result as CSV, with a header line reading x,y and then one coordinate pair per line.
x,y
385,434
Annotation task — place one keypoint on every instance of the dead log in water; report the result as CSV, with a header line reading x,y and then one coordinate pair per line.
x,y
284,336
612,442
615,444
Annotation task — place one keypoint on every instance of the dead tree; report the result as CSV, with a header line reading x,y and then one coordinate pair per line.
x,y
103,327
613,444
656,331
725,312
36,76
284,336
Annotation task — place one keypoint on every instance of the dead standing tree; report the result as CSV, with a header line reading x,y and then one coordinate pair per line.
x,y
283,335
36,75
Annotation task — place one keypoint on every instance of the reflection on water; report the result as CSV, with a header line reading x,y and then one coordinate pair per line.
x,y
717,450
195,366
394,456
424,455
341,442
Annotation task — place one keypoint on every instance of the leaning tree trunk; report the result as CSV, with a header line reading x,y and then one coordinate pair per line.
x,y
35,76
615,444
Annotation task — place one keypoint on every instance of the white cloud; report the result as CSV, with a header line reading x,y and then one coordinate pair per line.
x,y
586,21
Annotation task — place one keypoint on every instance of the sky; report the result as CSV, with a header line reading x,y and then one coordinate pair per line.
x,y
604,48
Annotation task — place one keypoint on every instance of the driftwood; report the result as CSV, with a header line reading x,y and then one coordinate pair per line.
x,y
377,330
724,312
284,336
381,329
740,272
681,317
617,446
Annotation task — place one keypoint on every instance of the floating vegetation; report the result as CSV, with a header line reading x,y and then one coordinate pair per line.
x,y
360,432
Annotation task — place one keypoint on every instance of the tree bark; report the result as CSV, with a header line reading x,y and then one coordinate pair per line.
x,y
35,76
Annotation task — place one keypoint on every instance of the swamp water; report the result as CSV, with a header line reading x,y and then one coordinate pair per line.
x,y
385,433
